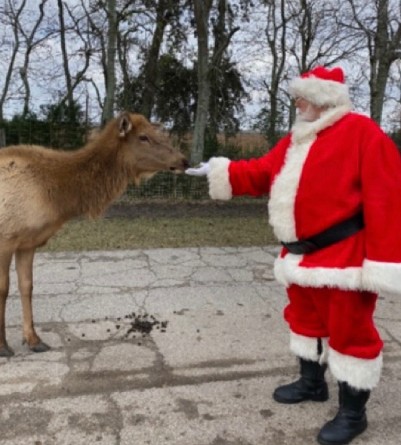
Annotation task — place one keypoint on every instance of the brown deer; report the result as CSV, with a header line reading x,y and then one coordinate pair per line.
x,y
41,189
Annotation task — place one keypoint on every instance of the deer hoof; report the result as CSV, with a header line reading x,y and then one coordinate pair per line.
x,y
6,351
40,347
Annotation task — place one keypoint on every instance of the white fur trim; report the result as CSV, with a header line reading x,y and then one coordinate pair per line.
x,y
302,130
284,266
381,277
219,179
306,347
285,185
284,191
287,271
320,92
362,374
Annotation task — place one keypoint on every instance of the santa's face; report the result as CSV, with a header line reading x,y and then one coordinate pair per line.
x,y
306,111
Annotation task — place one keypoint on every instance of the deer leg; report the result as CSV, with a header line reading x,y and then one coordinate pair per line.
x,y
24,266
5,261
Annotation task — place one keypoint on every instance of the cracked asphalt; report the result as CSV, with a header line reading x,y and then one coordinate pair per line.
x,y
169,346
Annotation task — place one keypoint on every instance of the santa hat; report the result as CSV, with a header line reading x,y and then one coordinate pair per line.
x,y
322,87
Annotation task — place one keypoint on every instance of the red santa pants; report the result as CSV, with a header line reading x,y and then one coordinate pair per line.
x,y
345,317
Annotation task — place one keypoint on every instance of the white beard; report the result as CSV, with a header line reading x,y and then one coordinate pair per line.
x,y
309,115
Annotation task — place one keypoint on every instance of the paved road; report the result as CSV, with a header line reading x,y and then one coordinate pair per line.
x,y
169,346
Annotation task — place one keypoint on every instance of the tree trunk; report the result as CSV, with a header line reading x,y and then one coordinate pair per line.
x,y
110,68
64,53
222,37
150,69
276,37
30,45
202,11
380,63
378,83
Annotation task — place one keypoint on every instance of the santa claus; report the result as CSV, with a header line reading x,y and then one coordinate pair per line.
x,y
334,185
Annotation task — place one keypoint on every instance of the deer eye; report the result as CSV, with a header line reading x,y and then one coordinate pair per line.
x,y
143,137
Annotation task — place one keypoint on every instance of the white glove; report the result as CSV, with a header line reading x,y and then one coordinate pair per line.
x,y
202,170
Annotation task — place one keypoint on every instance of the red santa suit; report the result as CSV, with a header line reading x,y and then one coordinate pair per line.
x,y
320,174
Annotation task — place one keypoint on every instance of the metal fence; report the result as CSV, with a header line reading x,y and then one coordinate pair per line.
x,y
163,185
167,185
2,137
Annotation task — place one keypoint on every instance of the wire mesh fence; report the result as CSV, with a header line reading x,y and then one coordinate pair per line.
x,y
167,185
164,185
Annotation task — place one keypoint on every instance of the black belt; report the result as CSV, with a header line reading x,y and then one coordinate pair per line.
x,y
329,236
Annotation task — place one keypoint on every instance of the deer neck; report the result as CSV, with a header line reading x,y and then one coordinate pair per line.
x,y
98,177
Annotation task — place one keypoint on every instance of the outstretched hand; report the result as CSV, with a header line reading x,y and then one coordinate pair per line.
x,y
202,170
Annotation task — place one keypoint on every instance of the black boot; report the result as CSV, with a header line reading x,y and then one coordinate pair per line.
x,y
311,385
350,420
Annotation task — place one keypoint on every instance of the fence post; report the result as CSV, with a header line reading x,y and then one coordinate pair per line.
x,y
2,137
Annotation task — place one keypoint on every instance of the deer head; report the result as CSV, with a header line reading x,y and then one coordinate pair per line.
x,y
145,147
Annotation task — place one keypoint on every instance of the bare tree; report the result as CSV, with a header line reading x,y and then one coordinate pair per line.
x,y
311,30
117,45
202,11
159,22
379,21
31,43
96,23
301,34
11,17
111,56
82,50
120,21
223,30
135,19
163,13
276,34
318,36
124,46
64,53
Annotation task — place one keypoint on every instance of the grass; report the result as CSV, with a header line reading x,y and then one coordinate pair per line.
x,y
148,232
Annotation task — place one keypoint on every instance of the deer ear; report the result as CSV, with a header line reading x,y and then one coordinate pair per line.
x,y
124,124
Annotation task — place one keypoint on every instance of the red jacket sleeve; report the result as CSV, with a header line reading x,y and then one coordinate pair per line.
x,y
245,177
254,176
381,197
